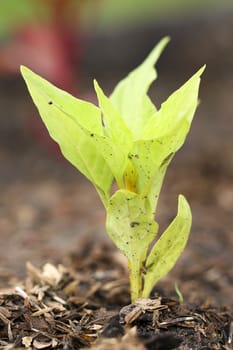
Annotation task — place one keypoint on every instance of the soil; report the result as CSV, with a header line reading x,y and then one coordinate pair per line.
x,y
64,308
63,285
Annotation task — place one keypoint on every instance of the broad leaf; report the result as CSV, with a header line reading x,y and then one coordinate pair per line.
x,y
151,159
169,247
131,229
68,121
130,95
129,225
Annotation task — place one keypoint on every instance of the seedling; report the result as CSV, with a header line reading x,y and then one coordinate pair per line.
x,y
124,147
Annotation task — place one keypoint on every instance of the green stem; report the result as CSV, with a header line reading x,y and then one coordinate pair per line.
x,y
135,281
146,292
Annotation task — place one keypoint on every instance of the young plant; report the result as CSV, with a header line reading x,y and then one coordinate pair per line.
x,y
127,142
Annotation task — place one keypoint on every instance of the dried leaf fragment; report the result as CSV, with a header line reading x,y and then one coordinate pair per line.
x,y
27,341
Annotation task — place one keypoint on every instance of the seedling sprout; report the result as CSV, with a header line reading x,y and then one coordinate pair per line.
x,y
126,140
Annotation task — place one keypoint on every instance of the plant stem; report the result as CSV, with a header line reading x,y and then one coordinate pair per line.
x,y
135,281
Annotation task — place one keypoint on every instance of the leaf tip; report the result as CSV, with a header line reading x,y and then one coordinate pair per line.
x,y
166,39
97,87
202,69
184,207
182,200
26,73
23,70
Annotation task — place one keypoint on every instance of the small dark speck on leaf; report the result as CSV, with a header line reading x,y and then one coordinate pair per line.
x,y
50,102
160,142
130,156
134,223
91,135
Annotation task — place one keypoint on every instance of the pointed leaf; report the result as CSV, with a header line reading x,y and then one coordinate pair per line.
x,y
169,247
129,95
114,125
162,137
63,116
117,140
180,105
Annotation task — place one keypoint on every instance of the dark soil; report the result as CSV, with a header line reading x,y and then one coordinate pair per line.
x,y
81,306
52,217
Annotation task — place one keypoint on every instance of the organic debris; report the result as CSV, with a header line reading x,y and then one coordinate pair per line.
x,y
74,308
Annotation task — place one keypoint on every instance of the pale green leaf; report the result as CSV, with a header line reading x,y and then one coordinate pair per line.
x,y
114,158
84,113
114,125
67,120
180,105
163,136
118,140
151,158
129,225
131,229
148,109
130,94
169,247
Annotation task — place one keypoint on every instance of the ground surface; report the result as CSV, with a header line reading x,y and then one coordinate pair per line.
x,y
49,213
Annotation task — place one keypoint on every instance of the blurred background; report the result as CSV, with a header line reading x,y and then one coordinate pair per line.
x,y
46,206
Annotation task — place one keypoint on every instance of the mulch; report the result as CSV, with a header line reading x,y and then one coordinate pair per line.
x,y
87,305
